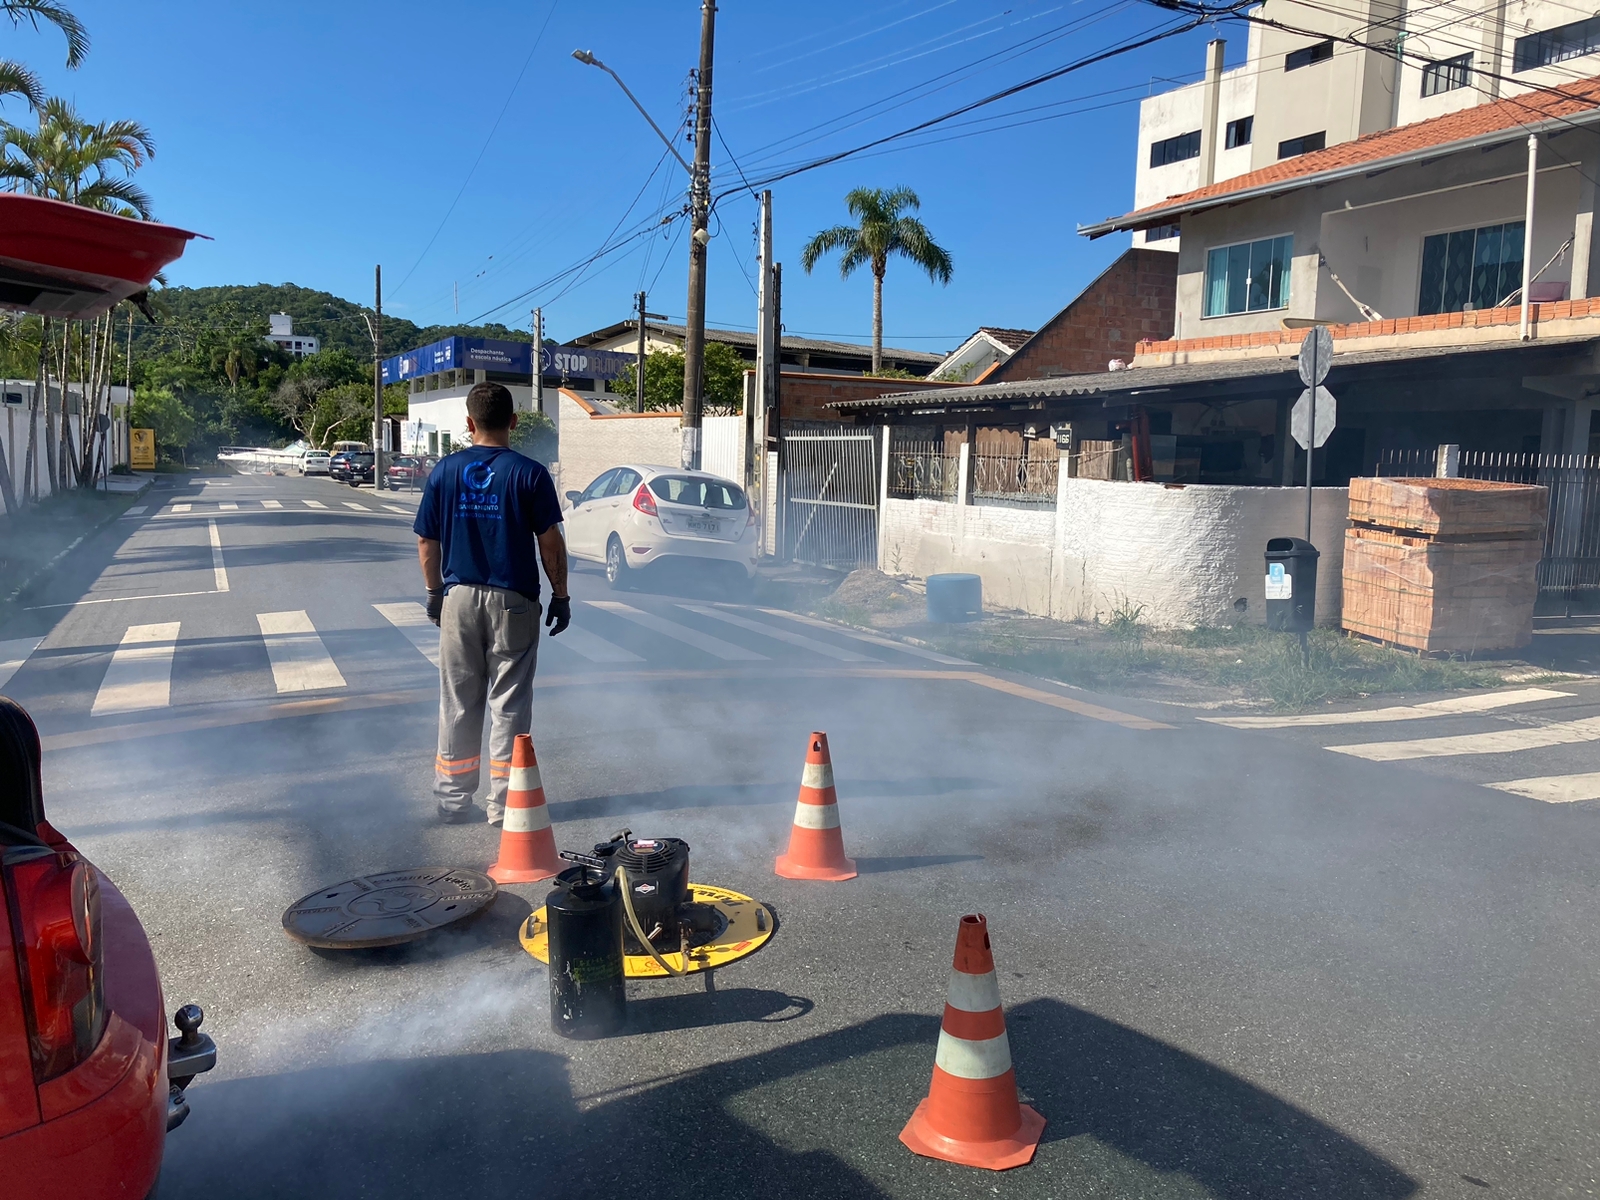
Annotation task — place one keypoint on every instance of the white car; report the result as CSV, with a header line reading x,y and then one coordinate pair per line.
x,y
315,462
635,515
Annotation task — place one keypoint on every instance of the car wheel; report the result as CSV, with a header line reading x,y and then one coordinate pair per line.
x,y
616,564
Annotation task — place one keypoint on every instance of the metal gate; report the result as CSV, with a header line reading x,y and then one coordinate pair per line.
x,y
829,486
1571,563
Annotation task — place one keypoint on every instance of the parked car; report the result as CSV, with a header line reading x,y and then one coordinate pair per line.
x,y
315,462
359,468
339,466
90,1083
637,515
405,471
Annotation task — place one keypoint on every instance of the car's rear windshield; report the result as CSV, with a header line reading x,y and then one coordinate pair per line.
x,y
702,493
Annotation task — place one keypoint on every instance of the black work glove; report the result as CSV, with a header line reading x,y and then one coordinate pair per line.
x,y
558,614
435,604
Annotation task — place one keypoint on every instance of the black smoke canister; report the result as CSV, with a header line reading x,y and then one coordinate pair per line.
x,y
588,992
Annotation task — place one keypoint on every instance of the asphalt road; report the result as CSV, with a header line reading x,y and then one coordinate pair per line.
x,y
1236,962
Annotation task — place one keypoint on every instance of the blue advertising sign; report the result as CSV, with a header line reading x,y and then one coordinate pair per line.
x,y
505,358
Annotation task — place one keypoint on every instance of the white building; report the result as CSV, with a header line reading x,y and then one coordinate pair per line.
x,y
281,334
1305,90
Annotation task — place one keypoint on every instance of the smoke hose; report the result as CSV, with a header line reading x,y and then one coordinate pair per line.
x,y
638,931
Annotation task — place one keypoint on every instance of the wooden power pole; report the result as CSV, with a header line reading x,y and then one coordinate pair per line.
x,y
377,379
694,337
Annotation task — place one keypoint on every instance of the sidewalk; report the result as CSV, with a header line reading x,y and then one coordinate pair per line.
x,y
41,536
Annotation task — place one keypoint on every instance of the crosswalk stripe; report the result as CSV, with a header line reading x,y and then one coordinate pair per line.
x,y
219,573
300,662
357,507
873,639
398,509
229,506
13,654
182,508
782,635
1456,705
715,647
139,675
138,510
272,504
1555,789
315,504
592,647
411,619
1496,741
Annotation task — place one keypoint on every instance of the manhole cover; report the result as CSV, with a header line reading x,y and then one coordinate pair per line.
x,y
386,909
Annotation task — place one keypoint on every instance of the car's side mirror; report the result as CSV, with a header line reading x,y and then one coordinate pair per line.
x,y
574,497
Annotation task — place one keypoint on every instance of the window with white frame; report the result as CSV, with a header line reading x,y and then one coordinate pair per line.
x,y
1248,277
1446,75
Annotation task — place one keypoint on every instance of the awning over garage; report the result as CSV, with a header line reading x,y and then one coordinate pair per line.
x,y
62,260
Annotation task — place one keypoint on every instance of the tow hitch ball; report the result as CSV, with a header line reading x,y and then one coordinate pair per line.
x,y
187,1056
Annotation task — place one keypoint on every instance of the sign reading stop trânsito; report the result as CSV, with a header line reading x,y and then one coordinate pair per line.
x,y
1315,414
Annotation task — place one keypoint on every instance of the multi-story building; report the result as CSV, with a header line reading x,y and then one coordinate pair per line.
x,y
280,332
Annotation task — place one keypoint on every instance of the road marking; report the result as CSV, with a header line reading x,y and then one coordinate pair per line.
x,y
13,654
300,662
715,647
1403,712
138,510
182,508
272,504
1082,707
357,507
398,509
874,639
1555,789
411,619
1498,741
119,600
218,571
315,504
140,673
592,647
782,635
228,506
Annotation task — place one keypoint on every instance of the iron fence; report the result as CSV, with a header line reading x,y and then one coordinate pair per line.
x,y
1571,563
1018,479
830,494
922,471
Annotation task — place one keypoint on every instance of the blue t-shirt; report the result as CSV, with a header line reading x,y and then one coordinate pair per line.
x,y
486,506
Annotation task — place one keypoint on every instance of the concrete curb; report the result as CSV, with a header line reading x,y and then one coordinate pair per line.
x,y
39,575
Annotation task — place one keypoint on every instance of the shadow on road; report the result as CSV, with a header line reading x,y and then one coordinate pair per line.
x,y
734,794
1128,1116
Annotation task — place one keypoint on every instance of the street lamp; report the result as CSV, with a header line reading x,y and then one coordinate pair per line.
x,y
588,59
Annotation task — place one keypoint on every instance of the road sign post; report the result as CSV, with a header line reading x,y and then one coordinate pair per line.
x,y
1316,412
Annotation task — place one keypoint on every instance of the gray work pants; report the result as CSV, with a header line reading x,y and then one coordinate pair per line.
x,y
488,646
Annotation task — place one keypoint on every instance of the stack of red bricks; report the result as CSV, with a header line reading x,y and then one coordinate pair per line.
x,y
1443,564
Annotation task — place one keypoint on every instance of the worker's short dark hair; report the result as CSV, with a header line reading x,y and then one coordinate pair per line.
x,y
490,406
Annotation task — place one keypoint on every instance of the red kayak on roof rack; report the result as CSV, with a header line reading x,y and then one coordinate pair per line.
x,y
62,260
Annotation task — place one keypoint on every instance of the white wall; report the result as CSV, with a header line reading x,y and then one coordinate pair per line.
x,y
592,444
1182,555
722,447
14,446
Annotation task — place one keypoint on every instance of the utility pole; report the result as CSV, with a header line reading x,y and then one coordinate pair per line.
x,y
766,348
377,379
638,370
538,360
694,338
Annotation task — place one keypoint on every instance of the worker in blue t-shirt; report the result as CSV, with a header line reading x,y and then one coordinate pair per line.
x,y
487,514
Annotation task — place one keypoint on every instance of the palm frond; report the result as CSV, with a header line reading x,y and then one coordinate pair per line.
x,y
840,237
48,11
913,241
17,80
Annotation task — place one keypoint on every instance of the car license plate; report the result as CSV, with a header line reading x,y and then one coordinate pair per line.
x,y
704,524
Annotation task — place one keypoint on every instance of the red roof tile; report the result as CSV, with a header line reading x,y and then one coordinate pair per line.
x,y
1530,108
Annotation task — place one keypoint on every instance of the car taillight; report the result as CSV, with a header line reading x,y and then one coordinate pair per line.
x,y
751,519
644,501
55,904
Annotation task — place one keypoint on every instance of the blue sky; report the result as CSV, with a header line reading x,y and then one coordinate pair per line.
x,y
311,141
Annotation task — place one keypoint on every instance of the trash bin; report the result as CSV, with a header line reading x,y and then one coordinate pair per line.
x,y
1291,585
955,598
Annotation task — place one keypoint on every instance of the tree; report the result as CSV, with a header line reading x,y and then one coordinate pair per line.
x,y
159,409
535,436
81,162
881,230
663,381
16,79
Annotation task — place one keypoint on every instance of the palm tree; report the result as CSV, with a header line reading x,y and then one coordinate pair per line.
x,y
16,79
74,160
881,230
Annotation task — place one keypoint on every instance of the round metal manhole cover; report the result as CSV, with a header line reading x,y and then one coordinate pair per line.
x,y
387,909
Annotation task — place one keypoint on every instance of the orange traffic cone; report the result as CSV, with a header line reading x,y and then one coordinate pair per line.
x,y
971,1115
527,847
816,847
